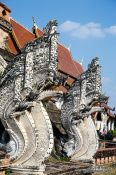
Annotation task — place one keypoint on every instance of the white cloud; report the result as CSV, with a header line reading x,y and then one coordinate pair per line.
x,y
111,30
89,30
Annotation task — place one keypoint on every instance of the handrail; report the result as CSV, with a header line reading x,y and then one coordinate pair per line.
x,y
108,141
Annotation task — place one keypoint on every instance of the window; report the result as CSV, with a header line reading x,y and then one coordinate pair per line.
x,y
4,12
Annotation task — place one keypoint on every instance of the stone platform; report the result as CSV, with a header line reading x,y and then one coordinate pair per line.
x,y
69,168
4,162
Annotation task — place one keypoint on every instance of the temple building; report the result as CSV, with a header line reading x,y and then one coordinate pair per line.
x,y
105,121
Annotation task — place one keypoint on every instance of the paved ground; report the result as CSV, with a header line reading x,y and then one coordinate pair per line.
x,y
106,170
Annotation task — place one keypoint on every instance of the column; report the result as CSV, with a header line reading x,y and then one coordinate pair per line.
x,y
112,125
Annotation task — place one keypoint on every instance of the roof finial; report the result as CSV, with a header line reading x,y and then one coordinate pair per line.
x,y
69,47
34,22
34,28
81,62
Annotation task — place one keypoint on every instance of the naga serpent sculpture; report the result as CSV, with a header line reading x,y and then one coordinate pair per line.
x,y
25,84
79,103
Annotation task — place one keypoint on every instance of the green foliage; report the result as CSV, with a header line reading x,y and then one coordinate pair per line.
x,y
66,159
58,159
114,133
55,157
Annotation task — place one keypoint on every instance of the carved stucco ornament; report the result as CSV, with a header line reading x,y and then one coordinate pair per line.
x,y
79,104
23,88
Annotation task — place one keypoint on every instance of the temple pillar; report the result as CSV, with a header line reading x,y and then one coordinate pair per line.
x,y
101,127
112,125
97,123
109,125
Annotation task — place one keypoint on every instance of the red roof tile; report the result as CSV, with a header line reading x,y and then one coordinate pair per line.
x,y
78,66
22,34
40,33
66,64
11,46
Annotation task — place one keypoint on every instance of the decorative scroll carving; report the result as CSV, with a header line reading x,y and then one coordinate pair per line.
x,y
3,65
5,24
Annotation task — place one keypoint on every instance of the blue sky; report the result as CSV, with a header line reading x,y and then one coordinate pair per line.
x,y
88,27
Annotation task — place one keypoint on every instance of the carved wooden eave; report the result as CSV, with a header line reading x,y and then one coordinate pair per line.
x,y
8,56
5,25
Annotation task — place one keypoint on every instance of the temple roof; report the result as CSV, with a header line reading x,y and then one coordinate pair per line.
x,y
20,36
108,110
110,114
66,63
106,106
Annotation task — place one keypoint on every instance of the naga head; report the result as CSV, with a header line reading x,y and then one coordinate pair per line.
x,y
51,27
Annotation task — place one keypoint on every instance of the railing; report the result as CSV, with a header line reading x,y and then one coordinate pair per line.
x,y
107,144
106,152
